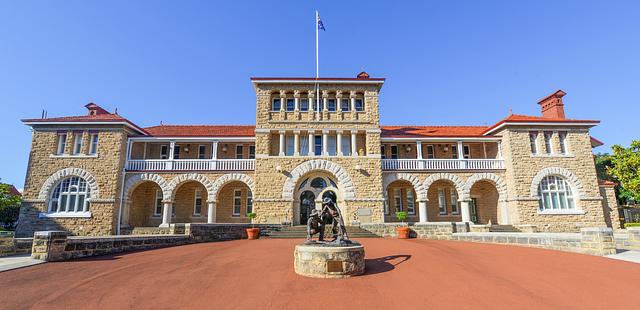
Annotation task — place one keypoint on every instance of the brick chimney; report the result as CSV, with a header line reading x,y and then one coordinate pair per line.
x,y
552,106
95,109
363,75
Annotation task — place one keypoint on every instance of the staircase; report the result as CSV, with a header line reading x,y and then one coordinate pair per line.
x,y
289,232
503,228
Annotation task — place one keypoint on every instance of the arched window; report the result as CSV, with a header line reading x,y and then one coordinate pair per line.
x,y
318,183
555,194
70,196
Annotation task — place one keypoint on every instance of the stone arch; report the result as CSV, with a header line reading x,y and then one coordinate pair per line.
x,y
68,172
499,183
226,178
137,179
418,186
186,177
456,180
576,185
343,178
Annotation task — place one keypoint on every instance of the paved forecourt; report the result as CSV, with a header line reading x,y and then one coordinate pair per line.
x,y
404,274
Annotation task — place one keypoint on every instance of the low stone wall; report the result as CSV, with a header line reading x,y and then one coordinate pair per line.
x,y
223,232
12,246
430,230
150,231
628,239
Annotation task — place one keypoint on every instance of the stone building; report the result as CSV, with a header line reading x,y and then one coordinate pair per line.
x,y
100,173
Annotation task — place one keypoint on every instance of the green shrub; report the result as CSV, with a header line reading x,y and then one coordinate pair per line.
x,y
401,215
631,225
251,216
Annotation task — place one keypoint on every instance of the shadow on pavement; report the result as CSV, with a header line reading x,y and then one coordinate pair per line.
x,y
384,264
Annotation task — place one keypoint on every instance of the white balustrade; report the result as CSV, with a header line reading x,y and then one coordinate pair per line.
x,y
442,164
190,164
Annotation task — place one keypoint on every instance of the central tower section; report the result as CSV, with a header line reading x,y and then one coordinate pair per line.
x,y
318,138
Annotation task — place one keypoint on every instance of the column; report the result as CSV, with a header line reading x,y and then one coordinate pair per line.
x,y
339,142
352,96
125,213
503,213
281,152
214,155
466,212
172,146
283,100
296,143
166,214
211,212
129,147
325,142
312,146
354,139
325,98
499,149
463,163
422,209
419,149
339,101
296,100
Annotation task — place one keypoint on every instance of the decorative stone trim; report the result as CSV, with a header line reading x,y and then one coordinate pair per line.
x,y
34,200
456,180
499,183
272,200
576,185
96,200
137,179
366,199
344,180
183,178
67,172
421,191
224,179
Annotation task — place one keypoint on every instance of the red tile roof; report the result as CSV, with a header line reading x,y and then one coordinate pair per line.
x,y
313,79
13,191
432,131
202,130
110,117
518,118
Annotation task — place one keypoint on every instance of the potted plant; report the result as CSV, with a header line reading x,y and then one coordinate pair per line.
x,y
403,231
253,232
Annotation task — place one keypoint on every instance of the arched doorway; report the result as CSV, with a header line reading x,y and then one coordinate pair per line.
x,y
310,192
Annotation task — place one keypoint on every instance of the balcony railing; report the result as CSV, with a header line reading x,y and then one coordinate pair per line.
x,y
191,164
442,164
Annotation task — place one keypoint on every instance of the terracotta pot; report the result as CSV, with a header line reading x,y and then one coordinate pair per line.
x,y
403,232
253,233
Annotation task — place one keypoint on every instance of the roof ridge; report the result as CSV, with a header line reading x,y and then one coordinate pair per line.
x,y
201,125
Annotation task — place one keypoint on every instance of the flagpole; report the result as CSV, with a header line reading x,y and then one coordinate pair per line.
x,y
317,69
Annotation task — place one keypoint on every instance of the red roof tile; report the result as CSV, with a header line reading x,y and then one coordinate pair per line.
x,y
13,191
202,130
432,131
110,117
518,118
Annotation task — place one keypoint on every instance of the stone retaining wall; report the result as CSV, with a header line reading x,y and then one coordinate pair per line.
x,y
628,239
12,246
432,230
223,232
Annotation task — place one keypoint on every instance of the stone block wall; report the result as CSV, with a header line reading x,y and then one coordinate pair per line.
x,y
12,246
628,239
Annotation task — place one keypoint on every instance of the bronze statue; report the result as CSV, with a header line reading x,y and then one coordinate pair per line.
x,y
329,214
315,225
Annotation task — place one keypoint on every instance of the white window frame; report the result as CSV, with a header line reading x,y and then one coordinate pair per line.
x,y
273,104
61,197
431,151
237,202
394,147
77,143
455,205
176,151
558,191
293,104
93,148
533,142
289,145
157,208
442,201
62,141
454,151
359,105
548,142
562,136
197,200
397,198
343,107
335,104
252,152
239,151
164,151
249,202
202,151
304,104
411,202
466,152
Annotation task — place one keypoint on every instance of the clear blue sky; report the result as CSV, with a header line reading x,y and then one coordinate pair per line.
x,y
446,62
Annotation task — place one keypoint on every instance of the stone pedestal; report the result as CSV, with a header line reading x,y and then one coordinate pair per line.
x,y
323,261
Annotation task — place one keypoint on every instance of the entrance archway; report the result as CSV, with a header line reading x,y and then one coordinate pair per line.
x,y
307,203
310,192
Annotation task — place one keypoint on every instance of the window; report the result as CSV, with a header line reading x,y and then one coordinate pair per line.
x,y
318,183
70,196
383,152
249,201
317,106
93,149
411,204
331,105
563,142
239,151
304,104
276,104
291,104
466,152
533,136
346,146
289,145
201,151
442,201
237,202
332,147
547,142
252,151
164,151
397,197
176,152
359,105
158,207
394,152
62,141
345,106
454,151
197,202
77,143
304,146
318,145
455,207
431,152
555,194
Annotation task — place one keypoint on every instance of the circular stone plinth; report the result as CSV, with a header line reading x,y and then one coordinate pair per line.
x,y
321,261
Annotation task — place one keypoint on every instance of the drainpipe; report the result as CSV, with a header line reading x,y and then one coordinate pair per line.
x,y
124,172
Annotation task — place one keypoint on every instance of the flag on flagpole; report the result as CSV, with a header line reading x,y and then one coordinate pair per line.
x,y
320,24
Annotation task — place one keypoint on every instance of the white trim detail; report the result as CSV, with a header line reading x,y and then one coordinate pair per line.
x,y
497,181
68,172
343,178
183,178
576,185
456,180
418,186
132,182
226,178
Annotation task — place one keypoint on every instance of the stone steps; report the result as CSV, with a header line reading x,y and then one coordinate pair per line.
x,y
301,232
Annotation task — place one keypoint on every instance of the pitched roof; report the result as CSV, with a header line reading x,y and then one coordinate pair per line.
x,y
202,130
518,118
97,118
432,131
13,191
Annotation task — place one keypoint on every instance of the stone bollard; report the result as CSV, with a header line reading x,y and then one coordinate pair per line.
x,y
49,246
597,241
634,238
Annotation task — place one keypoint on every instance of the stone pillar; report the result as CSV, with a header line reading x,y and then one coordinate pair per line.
x,y
125,213
499,149
422,210
312,146
339,142
166,213
281,152
325,98
49,246
354,140
352,96
172,146
211,212
419,149
296,143
214,150
339,101
597,241
466,210
503,213
296,98
325,142
283,100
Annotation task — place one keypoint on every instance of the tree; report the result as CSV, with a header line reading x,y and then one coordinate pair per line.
x,y
625,167
9,207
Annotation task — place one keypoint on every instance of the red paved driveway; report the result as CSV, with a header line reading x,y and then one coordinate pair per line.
x,y
402,274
